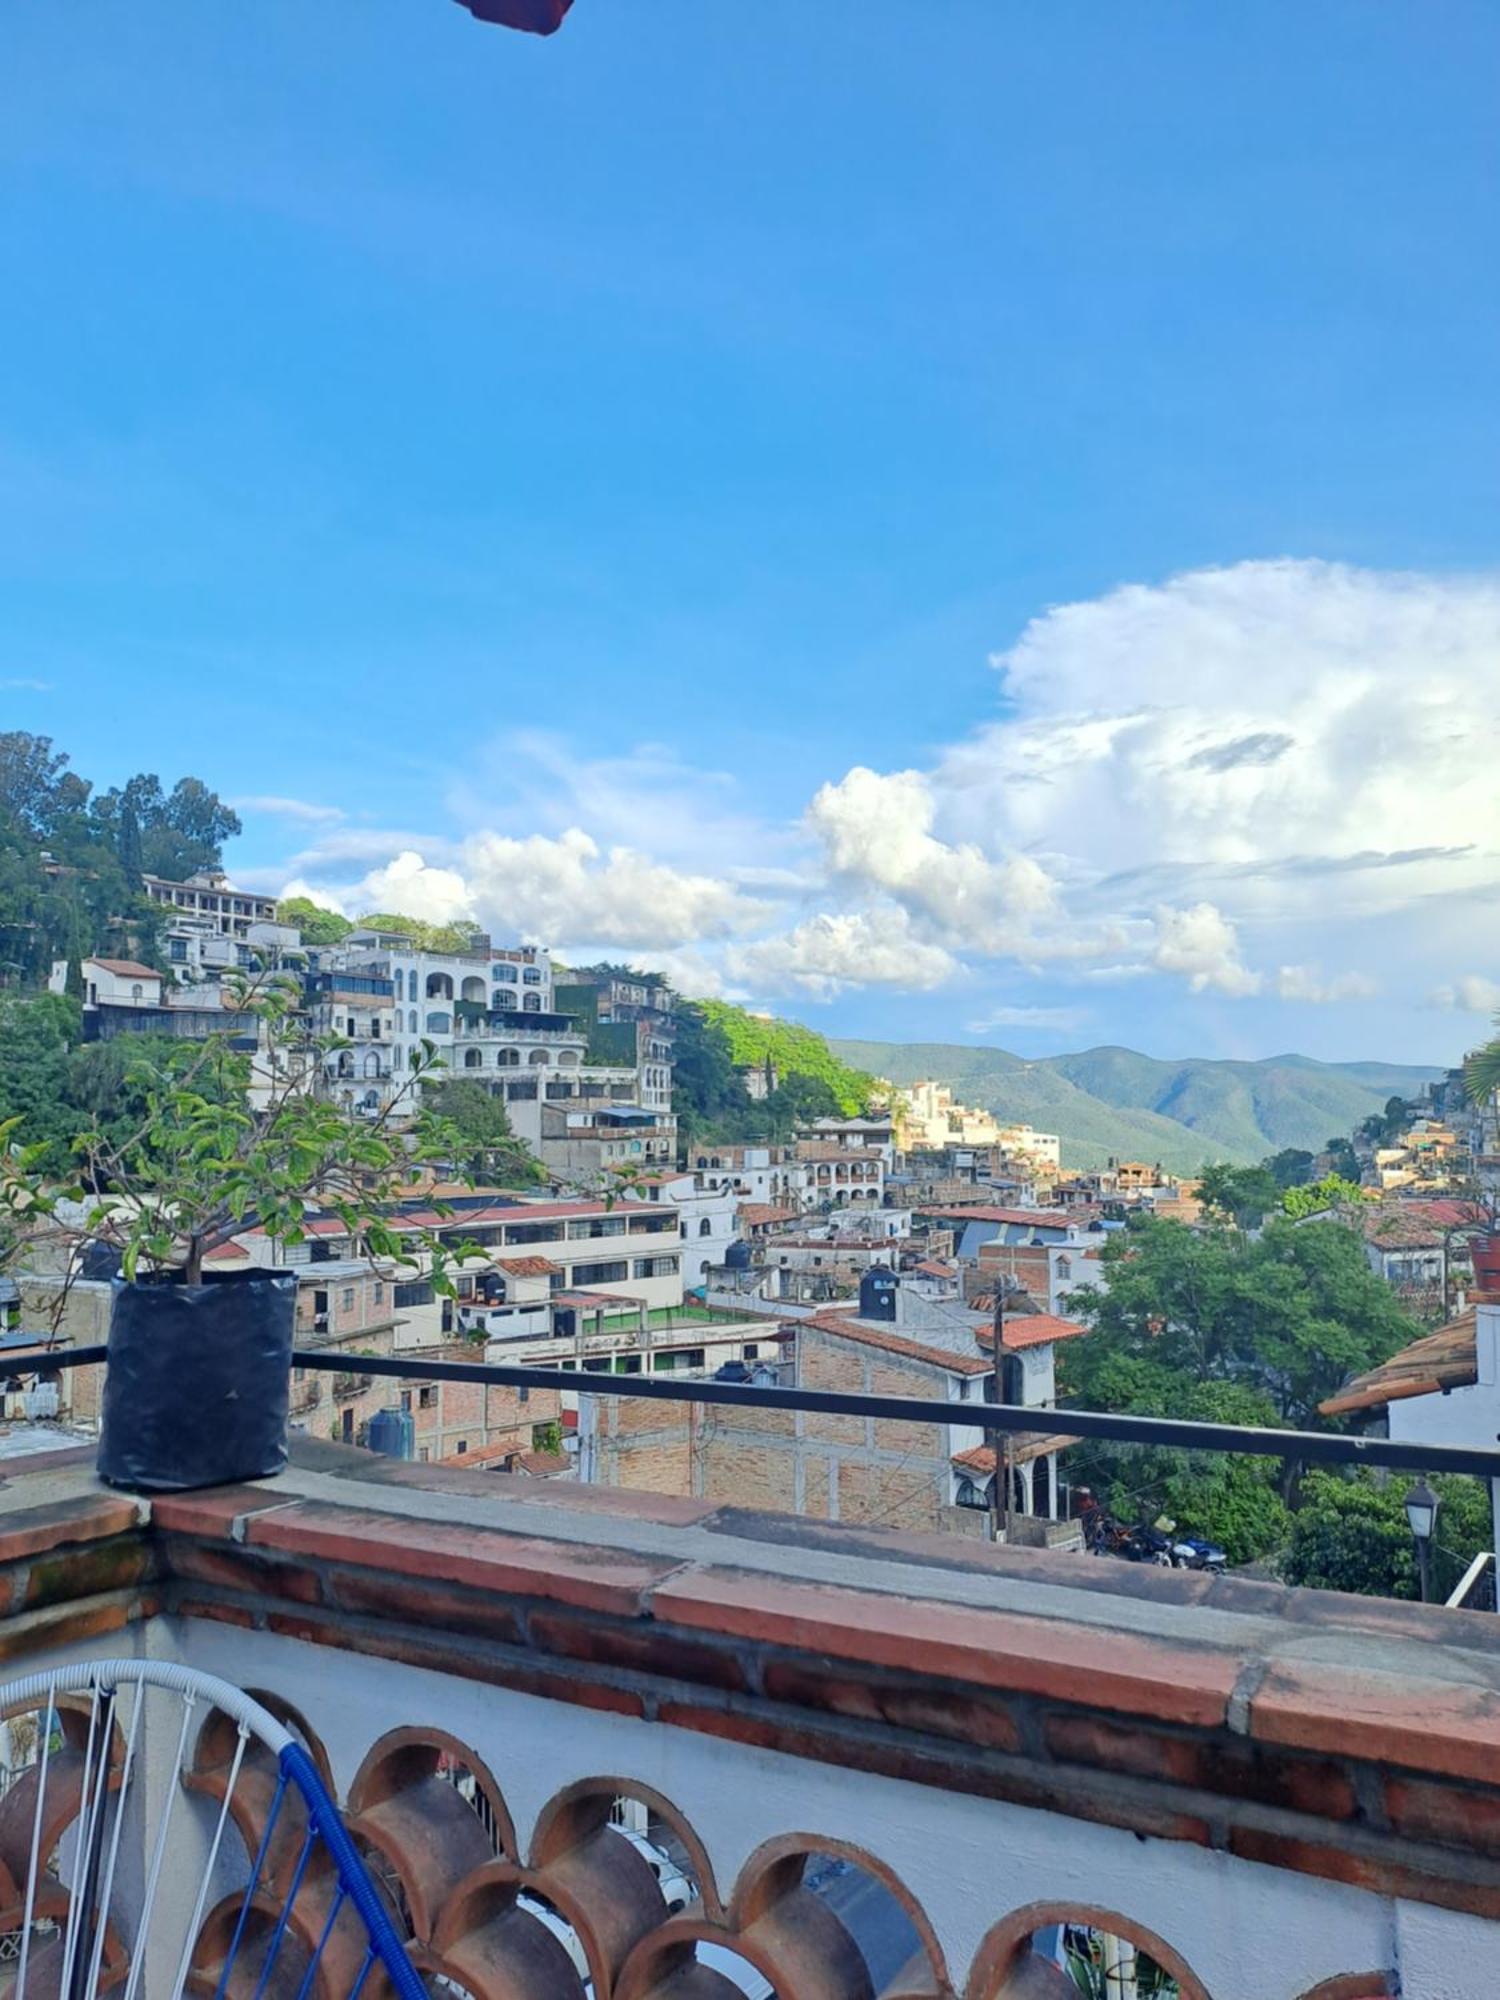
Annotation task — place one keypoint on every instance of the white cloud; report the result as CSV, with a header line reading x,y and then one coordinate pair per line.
x,y
1027,1017
1472,993
277,807
297,887
1306,982
828,953
1201,944
1246,732
561,892
20,684
876,833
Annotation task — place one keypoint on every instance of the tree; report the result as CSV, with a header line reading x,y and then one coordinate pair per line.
x,y
35,1038
128,847
1383,1128
1241,1195
425,936
1350,1533
317,925
1290,1167
1290,1314
1481,1070
33,791
480,1124
1342,1158
1318,1197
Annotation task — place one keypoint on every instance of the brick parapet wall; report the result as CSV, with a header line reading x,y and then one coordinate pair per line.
x,y
1352,1739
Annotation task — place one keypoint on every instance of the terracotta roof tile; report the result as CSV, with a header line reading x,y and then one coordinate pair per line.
x,y
889,1342
126,968
527,1267
1442,1360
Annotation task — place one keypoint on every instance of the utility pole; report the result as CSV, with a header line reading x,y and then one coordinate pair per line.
x,y
1000,1499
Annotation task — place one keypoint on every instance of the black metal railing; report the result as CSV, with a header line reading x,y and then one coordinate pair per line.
x,y
1313,1447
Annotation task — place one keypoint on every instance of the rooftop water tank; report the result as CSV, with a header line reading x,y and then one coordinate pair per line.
x,y
393,1433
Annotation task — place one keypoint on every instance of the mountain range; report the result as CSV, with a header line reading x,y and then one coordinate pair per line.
x,y
1116,1103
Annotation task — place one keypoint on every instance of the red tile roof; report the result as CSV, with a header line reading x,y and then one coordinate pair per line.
x,y
126,968
1024,1445
1029,1218
868,1335
1442,1360
527,1267
763,1214
1021,1330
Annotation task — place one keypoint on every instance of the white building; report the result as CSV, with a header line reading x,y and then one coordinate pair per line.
x,y
211,896
120,982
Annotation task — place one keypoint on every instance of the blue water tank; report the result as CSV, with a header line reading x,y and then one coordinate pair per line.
x,y
393,1433
737,1256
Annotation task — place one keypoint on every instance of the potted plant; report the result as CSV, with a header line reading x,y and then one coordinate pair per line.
x,y
198,1381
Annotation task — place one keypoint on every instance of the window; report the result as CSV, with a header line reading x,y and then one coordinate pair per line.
x,y
508,1059
750,1351
136,992
346,1299
533,1003
177,950
462,1446
411,1019
612,1273
426,1396
406,1401
504,999
379,1293
531,977
411,994
422,1454
506,972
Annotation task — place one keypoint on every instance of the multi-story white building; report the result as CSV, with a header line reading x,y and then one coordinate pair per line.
x,y
823,1176
491,1015
212,896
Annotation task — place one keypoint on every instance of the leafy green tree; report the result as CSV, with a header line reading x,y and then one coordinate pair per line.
x,y
1290,1168
425,936
1383,1128
1342,1158
317,925
1350,1532
1290,1314
36,787
35,1039
1232,1499
1318,1197
480,1123
1241,1195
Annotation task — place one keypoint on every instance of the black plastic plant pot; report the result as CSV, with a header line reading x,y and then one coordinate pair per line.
x,y
198,1382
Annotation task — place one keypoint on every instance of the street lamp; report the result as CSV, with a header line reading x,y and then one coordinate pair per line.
x,y
1421,1516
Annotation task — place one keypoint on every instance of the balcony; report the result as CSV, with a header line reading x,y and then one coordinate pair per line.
x,y
593,1737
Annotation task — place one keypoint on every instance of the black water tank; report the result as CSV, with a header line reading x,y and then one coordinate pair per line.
x,y
737,1257
877,1293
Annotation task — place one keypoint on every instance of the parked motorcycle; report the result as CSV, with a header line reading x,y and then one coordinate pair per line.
x,y
1192,1552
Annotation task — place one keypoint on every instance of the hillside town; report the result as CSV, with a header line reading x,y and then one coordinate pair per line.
x,y
914,1246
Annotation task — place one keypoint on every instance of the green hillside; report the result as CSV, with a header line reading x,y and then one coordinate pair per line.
x,y
1113,1102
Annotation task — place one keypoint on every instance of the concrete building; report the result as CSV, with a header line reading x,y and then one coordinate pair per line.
x,y
211,897
821,1176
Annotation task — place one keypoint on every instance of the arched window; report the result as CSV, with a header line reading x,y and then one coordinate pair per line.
x,y
439,986
372,1063
473,989
473,1058
439,1024
503,998
136,992
705,1227
508,1059
567,1058
411,984
411,1019
539,1058
531,977
506,972
533,1003
1064,1267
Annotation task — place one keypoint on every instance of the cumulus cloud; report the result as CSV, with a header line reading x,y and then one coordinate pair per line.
x,y
1471,994
876,833
565,892
1201,945
828,953
1252,723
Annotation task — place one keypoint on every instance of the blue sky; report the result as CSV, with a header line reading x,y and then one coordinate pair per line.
x,y
590,482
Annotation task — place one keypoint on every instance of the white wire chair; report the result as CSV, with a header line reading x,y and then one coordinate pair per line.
x,y
104,1871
